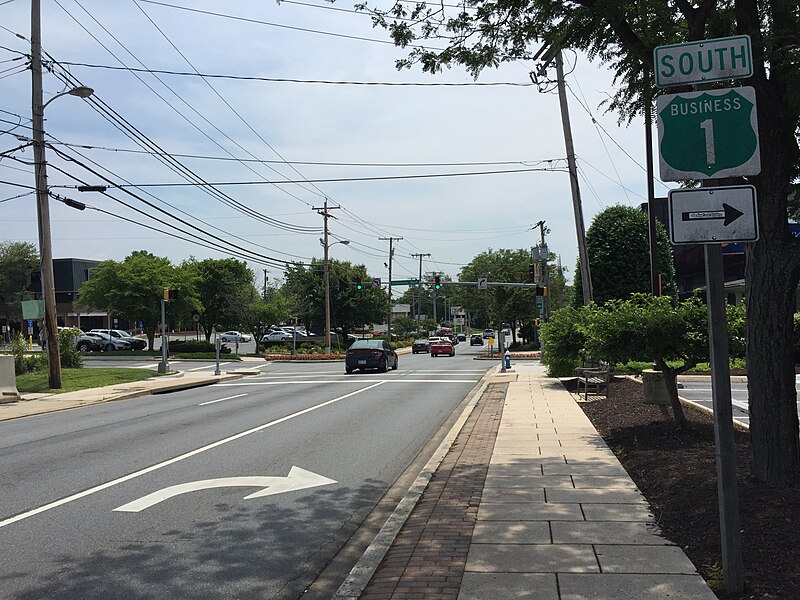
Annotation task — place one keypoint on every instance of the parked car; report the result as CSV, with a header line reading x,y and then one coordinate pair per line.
x,y
87,342
488,333
111,343
235,336
136,343
370,354
422,346
442,347
276,335
476,340
461,337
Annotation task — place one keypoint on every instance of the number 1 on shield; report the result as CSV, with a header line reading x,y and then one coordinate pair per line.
x,y
708,128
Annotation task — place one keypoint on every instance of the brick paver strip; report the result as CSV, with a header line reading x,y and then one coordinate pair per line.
x,y
427,558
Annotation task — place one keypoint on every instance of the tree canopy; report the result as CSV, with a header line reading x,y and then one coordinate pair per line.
x,y
618,245
221,284
18,261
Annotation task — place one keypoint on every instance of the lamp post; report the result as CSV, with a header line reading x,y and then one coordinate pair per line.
x,y
42,201
327,279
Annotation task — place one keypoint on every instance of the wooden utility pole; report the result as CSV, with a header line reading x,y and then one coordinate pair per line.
x,y
325,212
43,204
583,256
391,241
419,290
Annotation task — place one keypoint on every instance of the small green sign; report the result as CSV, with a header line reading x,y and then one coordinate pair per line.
x,y
405,281
708,134
33,309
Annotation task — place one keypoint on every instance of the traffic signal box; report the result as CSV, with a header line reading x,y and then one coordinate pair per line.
x,y
359,285
170,295
541,291
437,281
532,271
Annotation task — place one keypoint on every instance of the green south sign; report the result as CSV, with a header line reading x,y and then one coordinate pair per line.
x,y
708,135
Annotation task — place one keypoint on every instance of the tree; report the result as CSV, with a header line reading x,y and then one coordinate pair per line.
x,y
220,284
623,34
351,309
257,312
18,261
133,289
618,245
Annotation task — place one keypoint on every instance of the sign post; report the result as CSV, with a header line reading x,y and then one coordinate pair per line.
x,y
712,134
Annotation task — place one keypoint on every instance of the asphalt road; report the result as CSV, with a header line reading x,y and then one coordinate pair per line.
x,y
65,476
699,390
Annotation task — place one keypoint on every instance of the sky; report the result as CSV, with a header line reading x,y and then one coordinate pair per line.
x,y
277,150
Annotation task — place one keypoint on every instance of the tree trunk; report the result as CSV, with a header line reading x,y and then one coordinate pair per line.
x,y
771,283
150,331
671,381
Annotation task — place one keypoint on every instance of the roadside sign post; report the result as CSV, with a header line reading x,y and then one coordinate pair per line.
x,y
163,366
712,134
217,346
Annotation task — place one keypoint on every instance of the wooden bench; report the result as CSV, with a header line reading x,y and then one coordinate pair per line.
x,y
593,375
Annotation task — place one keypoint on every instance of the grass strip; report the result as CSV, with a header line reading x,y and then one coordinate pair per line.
x,y
80,379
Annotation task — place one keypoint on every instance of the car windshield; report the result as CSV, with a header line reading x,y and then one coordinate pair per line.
x,y
124,333
366,344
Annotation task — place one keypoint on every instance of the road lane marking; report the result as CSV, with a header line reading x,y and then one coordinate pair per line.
x,y
171,461
208,366
297,479
222,399
320,382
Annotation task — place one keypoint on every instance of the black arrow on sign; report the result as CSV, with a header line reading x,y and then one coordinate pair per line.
x,y
728,213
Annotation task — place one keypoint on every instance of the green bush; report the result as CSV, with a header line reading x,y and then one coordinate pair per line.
x,y
563,339
70,357
194,346
25,363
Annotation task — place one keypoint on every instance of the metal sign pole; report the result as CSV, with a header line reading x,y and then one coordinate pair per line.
x,y
163,366
217,345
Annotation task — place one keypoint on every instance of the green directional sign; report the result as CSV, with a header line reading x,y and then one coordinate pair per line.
x,y
405,282
708,134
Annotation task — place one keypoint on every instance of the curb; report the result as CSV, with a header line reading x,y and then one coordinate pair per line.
x,y
360,575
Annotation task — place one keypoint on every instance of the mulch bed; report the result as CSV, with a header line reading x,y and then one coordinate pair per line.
x,y
676,471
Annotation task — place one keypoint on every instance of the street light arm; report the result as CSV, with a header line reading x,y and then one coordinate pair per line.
x,y
81,92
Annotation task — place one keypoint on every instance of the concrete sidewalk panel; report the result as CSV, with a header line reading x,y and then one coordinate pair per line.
x,y
609,586
511,532
644,559
520,586
601,481
617,512
529,481
534,511
532,558
606,532
595,496
505,495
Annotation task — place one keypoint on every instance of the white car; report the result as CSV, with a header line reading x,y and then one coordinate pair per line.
x,y
235,336
276,336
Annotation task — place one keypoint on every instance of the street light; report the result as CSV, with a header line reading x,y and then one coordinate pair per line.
x,y
42,201
327,279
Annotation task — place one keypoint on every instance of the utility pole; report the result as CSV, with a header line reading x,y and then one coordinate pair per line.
x,y
433,295
391,241
586,278
419,290
544,272
655,276
43,203
324,211
266,279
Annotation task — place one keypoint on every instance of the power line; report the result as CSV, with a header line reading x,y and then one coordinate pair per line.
x,y
337,180
303,81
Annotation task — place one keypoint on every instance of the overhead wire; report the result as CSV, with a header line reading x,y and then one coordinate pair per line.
x,y
110,182
169,104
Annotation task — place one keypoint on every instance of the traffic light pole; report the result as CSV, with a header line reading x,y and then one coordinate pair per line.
x,y
419,290
163,366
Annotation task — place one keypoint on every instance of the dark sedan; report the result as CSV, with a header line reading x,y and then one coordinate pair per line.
x,y
476,340
370,354
423,346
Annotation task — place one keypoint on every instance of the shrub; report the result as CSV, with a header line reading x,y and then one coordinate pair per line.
x,y
70,357
193,346
563,339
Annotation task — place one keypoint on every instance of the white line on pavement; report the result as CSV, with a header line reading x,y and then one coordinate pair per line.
x,y
222,399
214,366
319,382
176,459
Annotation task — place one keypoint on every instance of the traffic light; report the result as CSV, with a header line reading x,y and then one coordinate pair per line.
x,y
541,291
359,286
536,322
532,271
437,281
170,294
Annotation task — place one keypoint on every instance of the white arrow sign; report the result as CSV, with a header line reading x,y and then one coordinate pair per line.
x,y
298,479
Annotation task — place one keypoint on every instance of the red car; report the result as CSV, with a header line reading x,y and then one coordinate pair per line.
x,y
442,347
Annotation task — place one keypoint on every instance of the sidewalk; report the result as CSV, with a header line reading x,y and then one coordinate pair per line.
x,y
528,502
35,404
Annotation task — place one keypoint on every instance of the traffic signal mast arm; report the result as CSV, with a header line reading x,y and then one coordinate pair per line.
x,y
498,283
